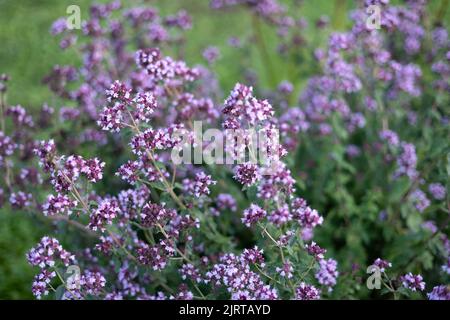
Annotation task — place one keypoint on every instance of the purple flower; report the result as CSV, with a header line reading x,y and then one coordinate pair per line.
x,y
352,150
46,151
129,171
285,238
440,37
407,161
7,146
184,293
69,114
382,264
413,282
226,201
119,92
437,190
47,252
19,116
430,225
59,204
247,173
420,200
41,283
93,169
147,57
59,26
188,271
307,217
286,270
439,293
241,103
92,282
252,215
234,273
307,292
316,251
254,255
200,185
154,256
280,216
104,215
390,137
327,274
446,266
407,77
153,214
211,54
157,33
181,20
20,200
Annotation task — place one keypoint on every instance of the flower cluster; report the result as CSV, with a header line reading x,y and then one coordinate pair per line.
x,y
47,255
307,217
413,282
104,215
382,264
327,273
253,214
60,204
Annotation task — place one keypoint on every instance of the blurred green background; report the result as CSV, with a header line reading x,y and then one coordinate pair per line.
x,y
28,52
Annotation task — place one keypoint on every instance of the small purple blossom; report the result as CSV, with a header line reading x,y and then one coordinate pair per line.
x,y
420,200
439,293
327,273
306,216
47,252
247,173
211,54
104,215
286,270
413,282
316,251
382,264
20,200
59,204
437,190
